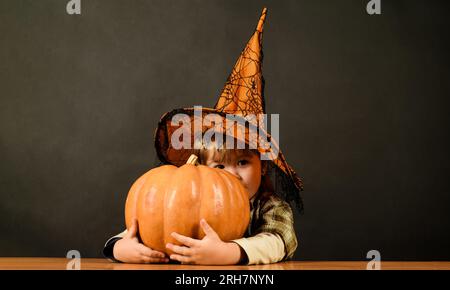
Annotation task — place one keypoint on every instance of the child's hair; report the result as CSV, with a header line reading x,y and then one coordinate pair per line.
x,y
222,154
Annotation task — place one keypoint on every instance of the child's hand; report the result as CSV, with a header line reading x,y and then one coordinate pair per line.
x,y
211,250
129,250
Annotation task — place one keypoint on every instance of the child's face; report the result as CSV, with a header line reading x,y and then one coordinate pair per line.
x,y
245,166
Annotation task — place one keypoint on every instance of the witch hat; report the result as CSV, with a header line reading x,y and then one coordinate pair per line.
x,y
242,95
243,91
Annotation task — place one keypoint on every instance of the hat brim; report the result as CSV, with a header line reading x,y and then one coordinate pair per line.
x,y
170,155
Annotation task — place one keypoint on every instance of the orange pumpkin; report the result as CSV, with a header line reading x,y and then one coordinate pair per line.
x,y
170,199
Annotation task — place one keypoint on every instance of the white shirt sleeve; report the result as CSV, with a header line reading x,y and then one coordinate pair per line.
x,y
121,235
263,248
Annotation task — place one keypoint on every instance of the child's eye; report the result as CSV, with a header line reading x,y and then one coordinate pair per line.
x,y
220,166
242,162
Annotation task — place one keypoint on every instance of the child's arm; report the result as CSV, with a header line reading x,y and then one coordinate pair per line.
x,y
273,237
263,248
128,249
109,246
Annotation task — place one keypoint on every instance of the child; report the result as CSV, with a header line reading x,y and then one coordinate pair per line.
x,y
270,236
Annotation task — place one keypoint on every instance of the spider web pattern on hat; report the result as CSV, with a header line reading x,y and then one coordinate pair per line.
x,y
243,91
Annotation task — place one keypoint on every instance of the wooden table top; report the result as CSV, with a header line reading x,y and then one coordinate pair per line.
x,y
104,264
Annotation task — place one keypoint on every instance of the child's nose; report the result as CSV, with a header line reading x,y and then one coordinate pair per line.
x,y
233,171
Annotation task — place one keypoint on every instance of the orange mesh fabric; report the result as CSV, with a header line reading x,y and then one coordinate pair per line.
x,y
243,91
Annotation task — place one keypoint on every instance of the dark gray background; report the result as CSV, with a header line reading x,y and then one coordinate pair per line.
x,y
363,104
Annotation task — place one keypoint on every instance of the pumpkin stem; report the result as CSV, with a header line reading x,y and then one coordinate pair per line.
x,y
193,160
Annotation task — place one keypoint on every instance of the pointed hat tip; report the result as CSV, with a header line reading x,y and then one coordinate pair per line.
x,y
261,20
